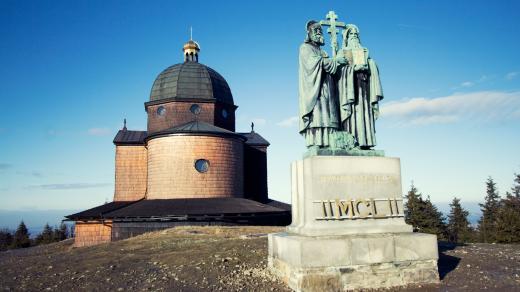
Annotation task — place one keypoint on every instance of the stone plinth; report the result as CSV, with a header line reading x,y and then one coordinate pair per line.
x,y
348,229
346,262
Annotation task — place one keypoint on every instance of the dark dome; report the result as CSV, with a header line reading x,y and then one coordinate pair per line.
x,y
191,80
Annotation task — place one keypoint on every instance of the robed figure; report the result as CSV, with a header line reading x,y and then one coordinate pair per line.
x,y
319,108
359,90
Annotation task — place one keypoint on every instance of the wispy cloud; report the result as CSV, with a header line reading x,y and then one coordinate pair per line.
x,y
259,121
4,166
70,186
467,84
34,173
471,83
99,131
511,75
289,122
475,106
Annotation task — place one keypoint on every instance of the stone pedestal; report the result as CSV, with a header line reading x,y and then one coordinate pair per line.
x,y
348,229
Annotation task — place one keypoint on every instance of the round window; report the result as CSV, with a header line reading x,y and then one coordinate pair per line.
x,y
202,165
161,110
195,109
224,113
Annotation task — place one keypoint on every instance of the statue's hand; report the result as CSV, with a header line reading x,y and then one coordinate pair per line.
x,y
341,60
358,67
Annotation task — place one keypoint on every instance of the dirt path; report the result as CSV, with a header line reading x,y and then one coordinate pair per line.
x,y
216,259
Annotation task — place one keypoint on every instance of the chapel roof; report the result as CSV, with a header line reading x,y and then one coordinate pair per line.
x,y
190,80
128,137
197,128
254,139
173,208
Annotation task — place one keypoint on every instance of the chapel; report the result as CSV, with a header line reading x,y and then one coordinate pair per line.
x,y
189,167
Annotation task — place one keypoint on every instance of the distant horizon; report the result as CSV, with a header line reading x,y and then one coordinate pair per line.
x,y
36,222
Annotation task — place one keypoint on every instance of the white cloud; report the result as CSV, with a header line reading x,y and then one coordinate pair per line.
x,y
259,121
475,106
467,84
436,119
98,131
511,75
289,122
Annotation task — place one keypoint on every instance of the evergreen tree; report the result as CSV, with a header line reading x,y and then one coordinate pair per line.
x,y
6,239
412,208
488,222
47,235
459,229
60,233
21,237
516,186
508,220
423,215
435,221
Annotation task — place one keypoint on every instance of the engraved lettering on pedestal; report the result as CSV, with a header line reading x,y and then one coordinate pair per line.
x,y
345,208
338,209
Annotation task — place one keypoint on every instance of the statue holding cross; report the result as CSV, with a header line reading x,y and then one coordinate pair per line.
x,y
339,95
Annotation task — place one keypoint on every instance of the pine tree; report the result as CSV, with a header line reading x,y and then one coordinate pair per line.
x,y
6,239
21,237
508,219
413,213
46,236
459,229
488,221
61,233
423,215
436,221
516,186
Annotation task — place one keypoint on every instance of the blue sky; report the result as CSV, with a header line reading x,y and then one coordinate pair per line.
x,y
72,70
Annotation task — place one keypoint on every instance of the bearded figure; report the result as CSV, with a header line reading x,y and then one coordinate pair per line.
x,y
319,109
359,90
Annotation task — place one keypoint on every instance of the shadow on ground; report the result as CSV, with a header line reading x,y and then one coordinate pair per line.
x,y
446,263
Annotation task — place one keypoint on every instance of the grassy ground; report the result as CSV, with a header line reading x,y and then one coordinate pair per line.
x,y
217,259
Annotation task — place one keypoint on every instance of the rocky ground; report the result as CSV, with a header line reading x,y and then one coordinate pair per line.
x,y
217,259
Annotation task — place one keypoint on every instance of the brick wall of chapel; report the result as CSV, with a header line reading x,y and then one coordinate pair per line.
x,y
92,233
171,171
178,113
131,173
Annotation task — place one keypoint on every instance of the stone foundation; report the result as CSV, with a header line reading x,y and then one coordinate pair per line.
x,y
348,262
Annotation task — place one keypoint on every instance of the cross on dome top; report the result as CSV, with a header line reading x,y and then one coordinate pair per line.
x,y
191,49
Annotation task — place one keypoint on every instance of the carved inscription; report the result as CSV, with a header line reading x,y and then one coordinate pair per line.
x,y
359,208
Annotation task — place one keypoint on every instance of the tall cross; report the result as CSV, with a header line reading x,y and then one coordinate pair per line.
x,y
332,30
191,33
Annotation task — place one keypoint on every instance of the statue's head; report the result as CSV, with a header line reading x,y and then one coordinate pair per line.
x,y
351,36
314,33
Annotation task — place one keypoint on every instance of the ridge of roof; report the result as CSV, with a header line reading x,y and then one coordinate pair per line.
x,y
196,128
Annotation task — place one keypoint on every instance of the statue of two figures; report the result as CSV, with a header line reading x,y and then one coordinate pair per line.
x,y
339,95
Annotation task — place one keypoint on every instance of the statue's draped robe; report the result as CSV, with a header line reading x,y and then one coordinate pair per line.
x,y
319,110
359,95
